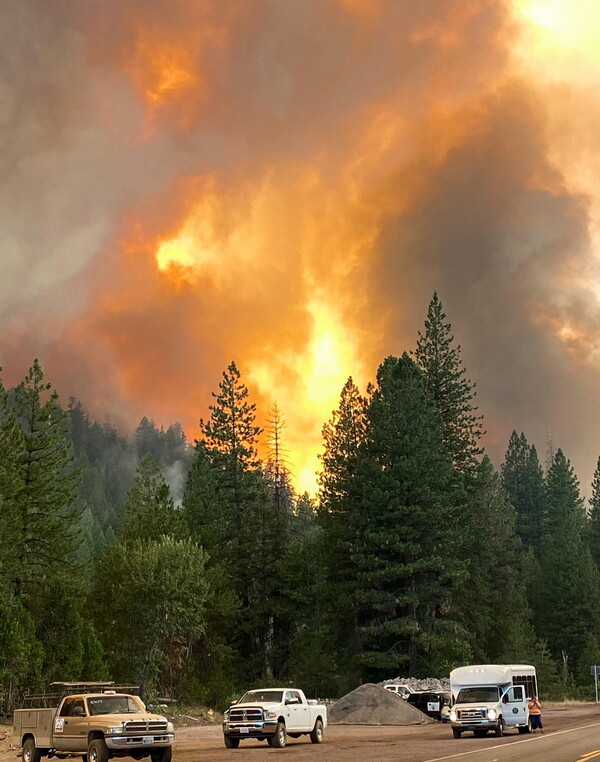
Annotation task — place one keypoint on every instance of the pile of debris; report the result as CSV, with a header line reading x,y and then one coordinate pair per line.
x,y
370,704
426,684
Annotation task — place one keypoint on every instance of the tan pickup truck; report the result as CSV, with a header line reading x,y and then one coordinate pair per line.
x,y
93,721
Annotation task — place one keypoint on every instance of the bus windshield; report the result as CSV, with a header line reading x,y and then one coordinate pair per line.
x,y
485,693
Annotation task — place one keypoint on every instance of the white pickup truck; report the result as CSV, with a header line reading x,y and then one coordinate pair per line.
x,y
272,713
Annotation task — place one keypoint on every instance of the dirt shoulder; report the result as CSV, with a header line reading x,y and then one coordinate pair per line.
x,y
368,743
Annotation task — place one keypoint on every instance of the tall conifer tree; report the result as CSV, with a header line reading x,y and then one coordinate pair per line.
x,y
452,392
594,528
496,588
570,584
45,513
343,436
408,531
255,528
523,480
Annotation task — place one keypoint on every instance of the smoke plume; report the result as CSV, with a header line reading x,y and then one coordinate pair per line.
x,y
285,184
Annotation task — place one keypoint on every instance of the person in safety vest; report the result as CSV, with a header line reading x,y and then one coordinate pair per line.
x,y
535,714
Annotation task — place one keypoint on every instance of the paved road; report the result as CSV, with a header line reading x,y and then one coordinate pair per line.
x,y
572,745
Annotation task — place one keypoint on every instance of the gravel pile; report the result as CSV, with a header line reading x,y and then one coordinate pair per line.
x,y
426,684
371,704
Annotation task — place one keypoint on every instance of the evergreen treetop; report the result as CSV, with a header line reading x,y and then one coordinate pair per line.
x,y
452,392
231,434
594,533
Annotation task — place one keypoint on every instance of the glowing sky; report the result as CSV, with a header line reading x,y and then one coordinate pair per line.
x,y
188,182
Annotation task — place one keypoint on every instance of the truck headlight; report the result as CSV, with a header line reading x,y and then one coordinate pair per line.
x,y
170,727
453,716
114,731
492,714
270,715
226,716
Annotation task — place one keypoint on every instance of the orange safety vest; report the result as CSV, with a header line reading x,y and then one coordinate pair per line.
x,y
534,707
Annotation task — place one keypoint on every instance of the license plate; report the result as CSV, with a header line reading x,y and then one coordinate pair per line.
x,y
244,730
147,739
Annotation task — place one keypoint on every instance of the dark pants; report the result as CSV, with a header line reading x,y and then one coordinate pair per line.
x,y
536,721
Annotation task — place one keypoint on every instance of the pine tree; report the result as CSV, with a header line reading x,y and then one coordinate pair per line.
x,y
231,433
408,527
147,440
523,480
343,436
594,525
12,447
496,589
44,509
277,469
452,392
227,485
150,512
208,514
569,584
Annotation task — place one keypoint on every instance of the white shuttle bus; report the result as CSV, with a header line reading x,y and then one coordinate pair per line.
x,y
491,697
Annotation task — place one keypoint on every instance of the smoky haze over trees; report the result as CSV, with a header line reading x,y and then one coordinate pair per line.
x,y
194,569
395,149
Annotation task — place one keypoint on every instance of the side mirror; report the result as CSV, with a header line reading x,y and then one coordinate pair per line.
x,y
78,711
233,702
150,707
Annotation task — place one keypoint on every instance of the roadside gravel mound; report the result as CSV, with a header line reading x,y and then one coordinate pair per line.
x,y
372,705
424,684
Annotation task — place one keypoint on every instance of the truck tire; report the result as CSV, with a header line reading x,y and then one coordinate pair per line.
x,y
162,755
456,732
30,753
499,732
316,734
98,751
278,740
231,743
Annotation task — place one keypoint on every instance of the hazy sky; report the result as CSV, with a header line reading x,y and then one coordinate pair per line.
x,y
285,183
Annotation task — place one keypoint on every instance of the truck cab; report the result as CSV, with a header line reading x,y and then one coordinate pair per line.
x,y
491,697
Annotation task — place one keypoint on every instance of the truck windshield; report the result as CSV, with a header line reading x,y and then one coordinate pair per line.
x,y
262,697
478,695
114,705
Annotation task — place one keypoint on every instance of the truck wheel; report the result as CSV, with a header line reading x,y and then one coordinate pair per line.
x,y
30,753
499,732
231,743
456,732
316,734
278,740
162,755
98,751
